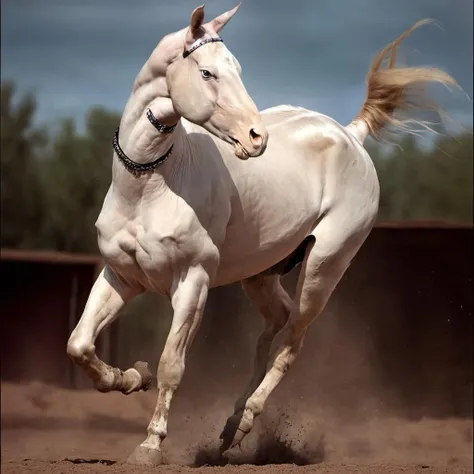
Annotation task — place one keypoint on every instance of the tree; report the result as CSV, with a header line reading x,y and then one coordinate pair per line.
x,y
22,145
77,176
419,184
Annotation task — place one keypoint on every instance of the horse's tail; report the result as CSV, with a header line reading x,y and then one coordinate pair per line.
x,y
392,92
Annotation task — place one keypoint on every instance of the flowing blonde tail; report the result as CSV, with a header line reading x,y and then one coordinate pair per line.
x,y
393,92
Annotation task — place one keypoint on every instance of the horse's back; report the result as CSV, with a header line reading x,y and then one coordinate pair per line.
x,y
313,141
328,153
303,124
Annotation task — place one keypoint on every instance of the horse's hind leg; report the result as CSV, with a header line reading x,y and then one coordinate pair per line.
x,y
325,262
274,303
108,296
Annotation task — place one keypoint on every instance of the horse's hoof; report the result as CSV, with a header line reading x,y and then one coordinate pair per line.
x,y
230,435
143,456
144,370
236,429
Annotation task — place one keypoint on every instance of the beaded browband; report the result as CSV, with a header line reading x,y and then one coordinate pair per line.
x,y
138,168
201,43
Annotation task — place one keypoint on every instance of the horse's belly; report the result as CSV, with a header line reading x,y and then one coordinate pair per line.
x,y
253,250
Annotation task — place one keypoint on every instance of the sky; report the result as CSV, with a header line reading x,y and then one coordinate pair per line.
x,y
312,53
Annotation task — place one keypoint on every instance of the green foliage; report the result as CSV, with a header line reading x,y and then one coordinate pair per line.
x,y
77,176
433,184
53,186
20,148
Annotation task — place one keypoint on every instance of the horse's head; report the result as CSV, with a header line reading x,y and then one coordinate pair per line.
x,y
205,87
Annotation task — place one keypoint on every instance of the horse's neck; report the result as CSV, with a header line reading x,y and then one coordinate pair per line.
x,y
140,139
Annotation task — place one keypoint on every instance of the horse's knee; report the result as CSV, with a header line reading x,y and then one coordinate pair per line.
x,y
79,349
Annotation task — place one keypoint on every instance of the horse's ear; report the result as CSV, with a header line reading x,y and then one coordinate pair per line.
x,y
197,20
220,21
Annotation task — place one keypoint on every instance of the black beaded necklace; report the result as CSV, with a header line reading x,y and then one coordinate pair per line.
x,y
139,168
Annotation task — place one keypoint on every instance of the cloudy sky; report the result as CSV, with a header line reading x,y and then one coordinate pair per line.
x,y
311,53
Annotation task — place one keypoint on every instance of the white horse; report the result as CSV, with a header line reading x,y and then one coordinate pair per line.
x,y
183,215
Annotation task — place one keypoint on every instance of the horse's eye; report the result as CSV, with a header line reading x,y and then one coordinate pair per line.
x,y
205,74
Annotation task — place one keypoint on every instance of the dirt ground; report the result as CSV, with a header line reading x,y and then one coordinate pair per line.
x,y
50,430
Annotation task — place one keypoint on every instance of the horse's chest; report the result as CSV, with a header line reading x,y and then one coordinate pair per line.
x,y
154,254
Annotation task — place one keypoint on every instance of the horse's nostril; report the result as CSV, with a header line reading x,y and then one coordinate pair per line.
x,y
255,138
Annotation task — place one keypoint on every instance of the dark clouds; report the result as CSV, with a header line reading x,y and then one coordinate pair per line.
x,y
313,53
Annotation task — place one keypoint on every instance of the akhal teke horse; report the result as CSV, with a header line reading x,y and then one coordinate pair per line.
x,y
188,210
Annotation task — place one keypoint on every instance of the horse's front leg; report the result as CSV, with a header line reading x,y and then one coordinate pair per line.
x,y
108,296
188,303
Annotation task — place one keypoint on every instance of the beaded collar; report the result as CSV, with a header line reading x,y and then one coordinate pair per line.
x,y
139,168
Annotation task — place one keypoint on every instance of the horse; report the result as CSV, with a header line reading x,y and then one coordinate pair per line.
x,y
206,191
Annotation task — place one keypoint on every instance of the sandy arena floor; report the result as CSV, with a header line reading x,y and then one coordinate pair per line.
x,y
48,430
